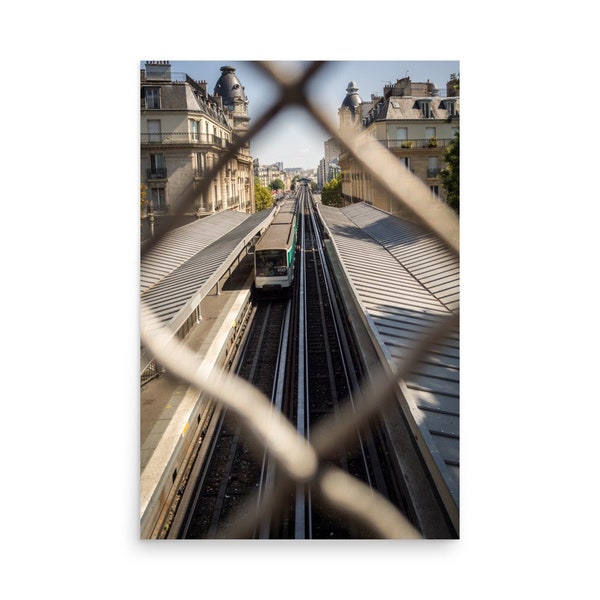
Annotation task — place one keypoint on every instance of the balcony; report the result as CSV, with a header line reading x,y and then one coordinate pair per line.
x,y
156,173
416,143
433,172
195,139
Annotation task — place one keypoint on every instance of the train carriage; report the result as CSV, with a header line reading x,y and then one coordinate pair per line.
x,y
275,252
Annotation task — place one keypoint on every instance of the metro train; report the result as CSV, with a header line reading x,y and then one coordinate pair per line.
x,y
275,251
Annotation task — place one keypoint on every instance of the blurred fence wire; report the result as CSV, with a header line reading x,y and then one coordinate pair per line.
x,y
298,460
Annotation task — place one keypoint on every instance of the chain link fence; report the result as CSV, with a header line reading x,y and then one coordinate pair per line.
x,y
299,460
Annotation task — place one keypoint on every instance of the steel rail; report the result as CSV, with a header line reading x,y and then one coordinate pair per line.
x,y
365,444
302,389
267,482
198,476
351,377
199,471
217,513
342,341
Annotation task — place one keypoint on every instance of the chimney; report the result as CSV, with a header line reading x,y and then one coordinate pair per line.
x,y
158,70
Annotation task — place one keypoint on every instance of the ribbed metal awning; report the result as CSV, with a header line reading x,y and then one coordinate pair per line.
x,y
405,280
203,250
217,242
182,243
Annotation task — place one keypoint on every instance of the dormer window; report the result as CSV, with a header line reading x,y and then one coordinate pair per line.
x,y
151,97
425,106
450,106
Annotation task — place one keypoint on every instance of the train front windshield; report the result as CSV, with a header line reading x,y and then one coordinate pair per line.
x,y
271,263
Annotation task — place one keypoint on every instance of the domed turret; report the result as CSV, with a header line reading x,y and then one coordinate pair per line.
x,y
352,100
235,103
228,86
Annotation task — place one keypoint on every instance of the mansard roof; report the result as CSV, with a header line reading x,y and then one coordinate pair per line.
x,y
410,108
181,96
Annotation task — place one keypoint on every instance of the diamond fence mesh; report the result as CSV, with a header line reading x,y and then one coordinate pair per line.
x,y
298,459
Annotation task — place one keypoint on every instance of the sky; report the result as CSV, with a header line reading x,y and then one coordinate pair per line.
x,y
293,137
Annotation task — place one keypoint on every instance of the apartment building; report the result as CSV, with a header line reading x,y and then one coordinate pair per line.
x,y
413,121
265,174
184,131
329,167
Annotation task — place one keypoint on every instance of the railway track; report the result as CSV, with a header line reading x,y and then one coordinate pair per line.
x,y
235,468
298,352
334,374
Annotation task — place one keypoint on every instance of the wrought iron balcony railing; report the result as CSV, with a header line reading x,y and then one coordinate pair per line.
x,y
201,139
416,143
156,173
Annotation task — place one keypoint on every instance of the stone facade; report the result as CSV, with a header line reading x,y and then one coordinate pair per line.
x,y
184,131
414,123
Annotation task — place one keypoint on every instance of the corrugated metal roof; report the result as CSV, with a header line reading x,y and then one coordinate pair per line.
x,y
425,257
195,253
405,279
182,243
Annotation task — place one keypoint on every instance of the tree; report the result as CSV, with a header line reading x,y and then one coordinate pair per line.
x,y
262,197
143,199
276,184
332,193
450,174
455,79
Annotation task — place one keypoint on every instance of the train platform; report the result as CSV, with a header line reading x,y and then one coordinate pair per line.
x,y
169,406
